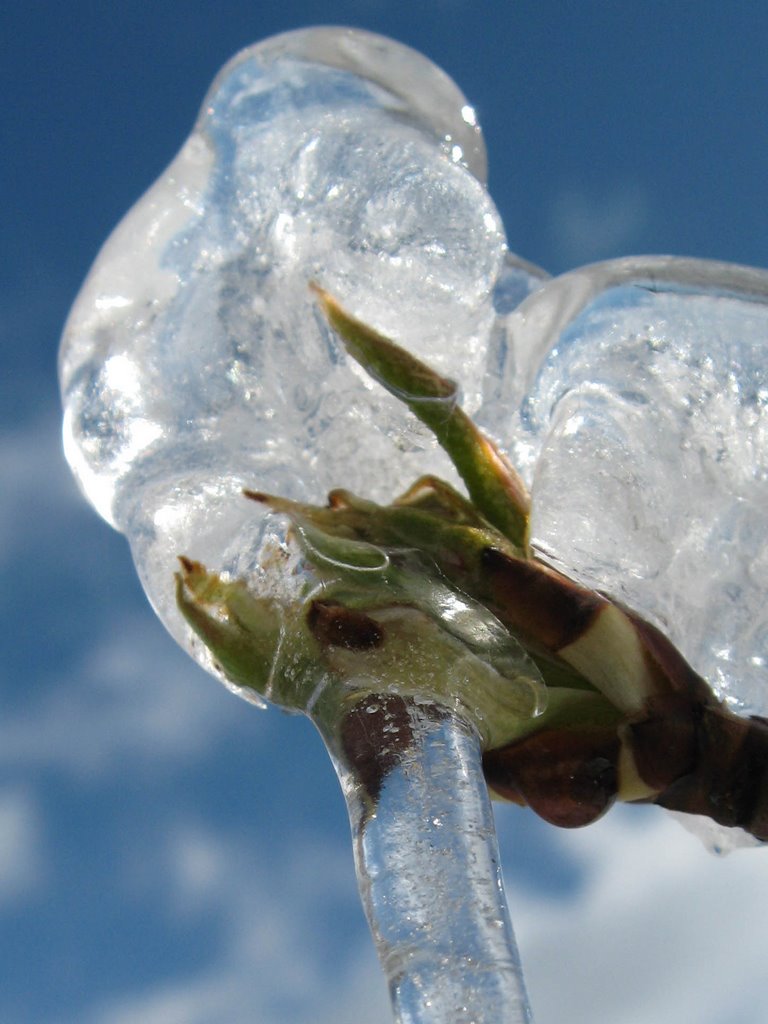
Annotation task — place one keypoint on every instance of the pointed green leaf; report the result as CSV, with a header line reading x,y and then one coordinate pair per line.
x,y
493,485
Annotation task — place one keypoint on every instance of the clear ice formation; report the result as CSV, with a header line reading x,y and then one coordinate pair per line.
x,y
633,395
195,362
638,413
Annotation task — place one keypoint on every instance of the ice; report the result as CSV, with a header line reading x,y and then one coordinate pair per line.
x,y
194,362
428,860
632,394
638,412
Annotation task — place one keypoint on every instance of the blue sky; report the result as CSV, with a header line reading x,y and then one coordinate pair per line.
x,y
167,853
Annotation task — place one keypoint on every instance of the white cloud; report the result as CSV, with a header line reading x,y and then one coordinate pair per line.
x,y
586,226
269,966
133,692
34,478
662,931
134,695
21,858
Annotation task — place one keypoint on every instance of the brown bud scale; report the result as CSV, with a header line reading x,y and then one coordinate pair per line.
x,y
567,776
333,625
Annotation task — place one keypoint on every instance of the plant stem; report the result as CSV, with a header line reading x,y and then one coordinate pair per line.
x,y
427,862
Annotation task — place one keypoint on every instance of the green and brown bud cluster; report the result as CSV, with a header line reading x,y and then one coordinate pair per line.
x,y
437,598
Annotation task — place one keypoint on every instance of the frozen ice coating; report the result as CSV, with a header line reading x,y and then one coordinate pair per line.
x,y
639,414
195,363
632,395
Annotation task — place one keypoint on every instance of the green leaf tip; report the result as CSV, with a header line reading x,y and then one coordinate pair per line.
x,y
493,484
240,630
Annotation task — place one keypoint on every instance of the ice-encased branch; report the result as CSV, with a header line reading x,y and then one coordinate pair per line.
x,y
427,863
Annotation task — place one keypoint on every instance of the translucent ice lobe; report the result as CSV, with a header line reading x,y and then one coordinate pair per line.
x,y
644,432
413,88
112,325
194,362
